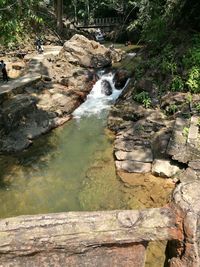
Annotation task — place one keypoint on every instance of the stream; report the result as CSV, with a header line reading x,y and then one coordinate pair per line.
x,y
69,169
72,169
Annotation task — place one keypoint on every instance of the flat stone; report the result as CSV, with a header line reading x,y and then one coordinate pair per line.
x,y
129,145
133,166
164,168
193,130
141,154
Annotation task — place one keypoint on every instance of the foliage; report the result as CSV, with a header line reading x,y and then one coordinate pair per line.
x,y
17,16
157,18
191,62
197,107
189,98
143,97
177,83
185,131
193,81
171,109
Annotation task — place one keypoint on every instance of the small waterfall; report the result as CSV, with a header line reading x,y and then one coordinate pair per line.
x,y
96,101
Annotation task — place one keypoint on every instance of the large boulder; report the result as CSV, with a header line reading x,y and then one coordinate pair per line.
x,y
84,52
106,87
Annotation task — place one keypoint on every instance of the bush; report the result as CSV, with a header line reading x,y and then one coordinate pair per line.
x,y
177,84
143,98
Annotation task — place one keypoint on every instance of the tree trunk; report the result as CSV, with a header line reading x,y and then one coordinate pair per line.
x,y
55,7
59,15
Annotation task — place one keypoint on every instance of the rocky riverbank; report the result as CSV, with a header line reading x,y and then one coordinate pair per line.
x,y
52,87
162,139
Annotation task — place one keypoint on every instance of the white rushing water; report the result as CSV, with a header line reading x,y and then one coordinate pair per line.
x,y
97,101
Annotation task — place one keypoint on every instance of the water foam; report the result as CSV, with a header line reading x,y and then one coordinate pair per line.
x,y
96,101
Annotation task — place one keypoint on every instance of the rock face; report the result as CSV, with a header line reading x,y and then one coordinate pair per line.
x,y
34,104
184,143
81,51
106,87
137,130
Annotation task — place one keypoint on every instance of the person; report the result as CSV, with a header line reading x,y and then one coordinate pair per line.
x,y
39,46
4,71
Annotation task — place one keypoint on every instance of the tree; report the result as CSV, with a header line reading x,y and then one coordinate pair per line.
x,y
15,17
59,15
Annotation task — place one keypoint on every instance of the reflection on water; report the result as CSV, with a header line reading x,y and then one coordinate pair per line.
x,y
57,173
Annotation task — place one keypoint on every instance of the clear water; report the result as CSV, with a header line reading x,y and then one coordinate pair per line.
x,y
69,169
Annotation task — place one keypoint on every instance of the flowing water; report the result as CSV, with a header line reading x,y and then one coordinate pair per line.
x,y
68,169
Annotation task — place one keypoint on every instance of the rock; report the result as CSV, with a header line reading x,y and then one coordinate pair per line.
x,y
82,238
144,85
46,78
91,76
140,154
160,142
194,165
27,116
176,98
177,144
65,81
15,110
165,168
185,142
188,175
117,55
18,65
133,166
81,51
187,198
106,87
120,78
193,133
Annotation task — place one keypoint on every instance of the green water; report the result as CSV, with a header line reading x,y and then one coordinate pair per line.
x,y
69,169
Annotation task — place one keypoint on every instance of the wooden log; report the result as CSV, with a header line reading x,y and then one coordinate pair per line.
x,y
77,232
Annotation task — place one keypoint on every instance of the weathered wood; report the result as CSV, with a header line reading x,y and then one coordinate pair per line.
x,y
76,232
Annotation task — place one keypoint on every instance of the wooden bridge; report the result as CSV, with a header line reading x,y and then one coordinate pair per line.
x,y
100,22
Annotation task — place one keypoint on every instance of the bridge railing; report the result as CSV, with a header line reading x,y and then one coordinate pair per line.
x,y
109,21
